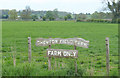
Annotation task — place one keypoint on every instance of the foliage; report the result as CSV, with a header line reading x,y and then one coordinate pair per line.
x,y
44,18
12,14
50,15
69,16
101,15
26,14
55,13
118,20
34,17
99,20
51,18
71,70
65,17
114,7
81,17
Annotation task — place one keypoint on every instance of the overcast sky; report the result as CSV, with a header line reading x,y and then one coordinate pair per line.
x,y
76,6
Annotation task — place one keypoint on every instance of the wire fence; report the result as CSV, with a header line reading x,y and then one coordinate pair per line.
x,y
95,54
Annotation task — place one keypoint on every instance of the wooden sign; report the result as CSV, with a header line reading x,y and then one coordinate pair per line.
x,y
62,53
70,41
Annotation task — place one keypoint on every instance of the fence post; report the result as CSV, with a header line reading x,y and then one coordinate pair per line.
x,y
49,60
75,61
107,55
29,49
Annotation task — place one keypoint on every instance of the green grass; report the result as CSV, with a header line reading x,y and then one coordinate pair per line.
x,y
91,61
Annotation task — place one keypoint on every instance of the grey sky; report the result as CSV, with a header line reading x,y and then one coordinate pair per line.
x,y
76,6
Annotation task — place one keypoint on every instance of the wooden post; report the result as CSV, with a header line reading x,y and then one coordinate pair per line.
x,y
29,49
75,61
107,55
49,60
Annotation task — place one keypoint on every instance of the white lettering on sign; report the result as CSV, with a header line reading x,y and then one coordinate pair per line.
x,y
70,41
62,53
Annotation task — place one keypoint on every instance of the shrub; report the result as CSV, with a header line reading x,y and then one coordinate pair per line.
x,y
45,66
98,59
71,70
116,62
113,72
98,20
51,18
99,62
118,21
78,20
33,19
65,18
44,18
20,70
103,65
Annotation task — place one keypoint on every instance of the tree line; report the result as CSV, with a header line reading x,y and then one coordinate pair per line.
x,y
27,13
112,5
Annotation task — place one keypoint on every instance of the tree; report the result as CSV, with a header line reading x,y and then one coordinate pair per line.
x,y
69,16
65,18
80,17
50,15
34,17
44,18
26,14
55,13
114,7
101,15
12,14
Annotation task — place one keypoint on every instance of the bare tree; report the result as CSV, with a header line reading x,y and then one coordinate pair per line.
x,y
114,7
12,14
26,13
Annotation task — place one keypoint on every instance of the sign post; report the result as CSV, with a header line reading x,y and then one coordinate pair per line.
x,y
76,42
62,53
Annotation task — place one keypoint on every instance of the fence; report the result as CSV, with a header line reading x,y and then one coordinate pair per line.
x,y
93,58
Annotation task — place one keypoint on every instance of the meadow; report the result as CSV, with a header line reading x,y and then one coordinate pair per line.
x,y
91,61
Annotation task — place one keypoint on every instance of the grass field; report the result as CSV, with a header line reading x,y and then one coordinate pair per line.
x,y
91,61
